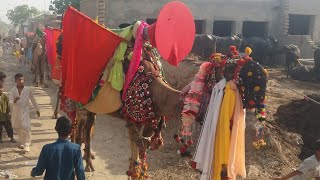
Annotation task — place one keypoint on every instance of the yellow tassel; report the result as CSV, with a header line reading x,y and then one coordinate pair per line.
x,y
248,51
97,19
217,57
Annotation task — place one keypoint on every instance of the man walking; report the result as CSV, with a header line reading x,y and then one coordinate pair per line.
x,y
20,117
62,159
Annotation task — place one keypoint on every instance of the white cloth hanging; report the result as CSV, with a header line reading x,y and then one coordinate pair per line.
x,y
205,149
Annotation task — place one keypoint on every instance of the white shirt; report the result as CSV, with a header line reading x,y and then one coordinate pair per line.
x,y
205,149
310,169
20,117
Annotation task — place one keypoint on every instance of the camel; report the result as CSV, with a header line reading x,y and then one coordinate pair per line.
x,y
165,101
40,63
142,136
31,45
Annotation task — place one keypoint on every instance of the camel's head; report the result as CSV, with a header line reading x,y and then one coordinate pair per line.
x,y
252,84
250,77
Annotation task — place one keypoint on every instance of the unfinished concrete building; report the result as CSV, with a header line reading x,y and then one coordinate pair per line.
x,y
292,21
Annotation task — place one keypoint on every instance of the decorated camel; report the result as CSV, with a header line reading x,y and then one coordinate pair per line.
x,y
144,99
40,60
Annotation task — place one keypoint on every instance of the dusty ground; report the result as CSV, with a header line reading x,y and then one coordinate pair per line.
x,y
287,142
110,143
111,147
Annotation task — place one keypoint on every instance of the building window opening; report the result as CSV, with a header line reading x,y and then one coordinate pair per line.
x,y
200,26
223,28
258,29
299,24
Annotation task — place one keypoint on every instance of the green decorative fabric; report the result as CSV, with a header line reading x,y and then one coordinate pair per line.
x,y
4,108
116,77
39,33
117,31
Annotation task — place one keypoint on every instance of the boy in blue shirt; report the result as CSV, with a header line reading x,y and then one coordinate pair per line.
x,y
62,159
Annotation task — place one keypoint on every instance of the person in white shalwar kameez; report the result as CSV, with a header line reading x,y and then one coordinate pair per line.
x,y
205,148
20,97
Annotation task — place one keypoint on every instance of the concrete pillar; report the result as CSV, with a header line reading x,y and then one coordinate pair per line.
x,y
208,27
237,27
314,28
316,34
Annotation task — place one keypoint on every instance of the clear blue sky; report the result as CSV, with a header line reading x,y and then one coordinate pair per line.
x,y
5,5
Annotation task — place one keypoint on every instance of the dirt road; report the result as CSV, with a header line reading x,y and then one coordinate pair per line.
x,y
110,143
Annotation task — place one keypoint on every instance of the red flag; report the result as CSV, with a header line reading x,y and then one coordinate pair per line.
x,y
51,39
56,66
87,48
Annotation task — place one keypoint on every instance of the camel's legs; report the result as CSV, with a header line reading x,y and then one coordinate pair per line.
x,y
134,151
55,114
88,128
80,129
74,131
137,162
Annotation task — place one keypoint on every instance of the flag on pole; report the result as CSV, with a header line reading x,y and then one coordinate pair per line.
x,y
51,39
87,48
39,32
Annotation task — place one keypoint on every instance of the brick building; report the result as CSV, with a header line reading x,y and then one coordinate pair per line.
x,y
292,21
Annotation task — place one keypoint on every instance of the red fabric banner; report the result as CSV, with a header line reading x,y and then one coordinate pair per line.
x,y
87,48
56,66
51,40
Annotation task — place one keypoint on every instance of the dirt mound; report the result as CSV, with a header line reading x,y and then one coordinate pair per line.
x,y
302,117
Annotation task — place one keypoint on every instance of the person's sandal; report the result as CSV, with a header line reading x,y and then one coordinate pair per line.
x,y
26,149
13,140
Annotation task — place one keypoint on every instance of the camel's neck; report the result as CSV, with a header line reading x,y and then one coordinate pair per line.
x,y
166,100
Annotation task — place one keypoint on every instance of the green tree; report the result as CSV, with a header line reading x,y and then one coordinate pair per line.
x,y
21,13
60,6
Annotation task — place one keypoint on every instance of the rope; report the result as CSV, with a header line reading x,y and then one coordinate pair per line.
x,y
306,97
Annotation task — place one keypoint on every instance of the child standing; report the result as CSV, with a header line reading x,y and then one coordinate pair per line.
x,y
17,48
19,99
4,111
